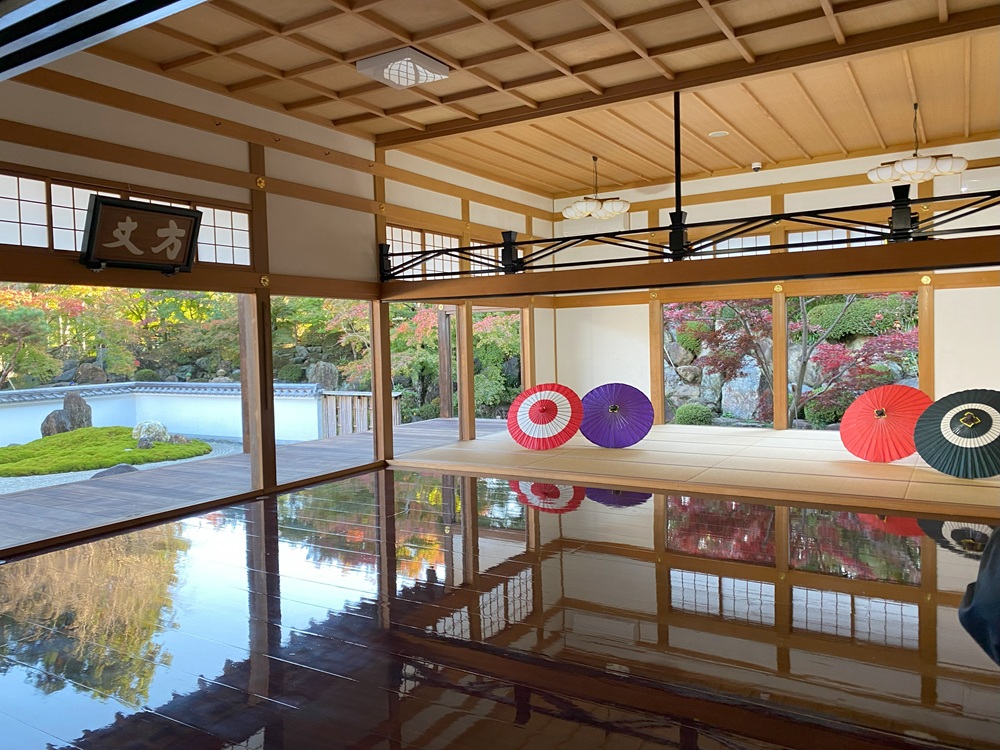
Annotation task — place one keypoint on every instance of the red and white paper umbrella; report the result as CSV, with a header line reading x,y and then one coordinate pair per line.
x,y
549,498
544,417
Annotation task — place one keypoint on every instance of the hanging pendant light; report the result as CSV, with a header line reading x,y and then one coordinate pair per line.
x,y
917,168
595,207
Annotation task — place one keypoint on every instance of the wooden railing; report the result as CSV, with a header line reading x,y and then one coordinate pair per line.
x,y
347,412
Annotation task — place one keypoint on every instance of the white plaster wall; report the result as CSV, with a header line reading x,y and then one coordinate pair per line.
x,y
723,210
125,77
296,419
410,163
541,228
725,647
67,114
838,197
597,345
22,422
419,199
192,414
312,239
626,584
37,158
498,217
545,345
285,166
966,351
594,522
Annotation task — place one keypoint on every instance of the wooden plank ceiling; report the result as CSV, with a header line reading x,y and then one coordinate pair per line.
x,y
537,86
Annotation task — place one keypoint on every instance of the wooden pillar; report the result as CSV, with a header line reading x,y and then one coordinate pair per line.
x,y
925,335
927,621
256,356
782,588
385,488
469,492
381,381
779,357
528,376
777,230
445,376
656,386
662,570
466,372
263,582
379,187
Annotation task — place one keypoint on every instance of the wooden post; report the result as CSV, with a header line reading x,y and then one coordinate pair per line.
x,y
777,230
779,358
528,376
466,371
657,394
257,386
782,588
662,569
925,335
385,488
381,381
445,377
927,620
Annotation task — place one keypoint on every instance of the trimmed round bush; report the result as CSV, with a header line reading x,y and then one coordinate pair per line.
x,y
866,316
145,375
693,414
827,409
291,374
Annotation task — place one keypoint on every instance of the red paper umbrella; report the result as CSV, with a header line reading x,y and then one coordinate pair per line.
x,y
549,498
897,525
544,417
878,426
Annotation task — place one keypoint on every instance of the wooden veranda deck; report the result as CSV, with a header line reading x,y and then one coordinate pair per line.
x,y
67,511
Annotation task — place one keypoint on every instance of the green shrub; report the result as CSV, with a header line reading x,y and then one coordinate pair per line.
x,y
827,408
291,374
145,375
89,448
693,414
866,316
690,334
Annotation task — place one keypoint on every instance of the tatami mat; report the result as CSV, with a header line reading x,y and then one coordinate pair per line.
x,y
786,465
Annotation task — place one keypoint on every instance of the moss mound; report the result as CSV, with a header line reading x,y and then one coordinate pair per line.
x,y
89,448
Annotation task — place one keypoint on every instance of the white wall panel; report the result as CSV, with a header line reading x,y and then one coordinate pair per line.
x,y
37,158
545,345
966,354
67,114
285,166
497,217
312,239
127,78
597,345
398,194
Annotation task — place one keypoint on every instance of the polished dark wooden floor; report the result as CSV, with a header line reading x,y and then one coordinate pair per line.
x,y
408,610
66,510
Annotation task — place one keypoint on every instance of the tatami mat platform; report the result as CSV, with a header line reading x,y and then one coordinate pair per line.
x,y
788,465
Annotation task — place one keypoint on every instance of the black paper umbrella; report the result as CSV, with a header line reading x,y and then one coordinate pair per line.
x,y
960,434
964,538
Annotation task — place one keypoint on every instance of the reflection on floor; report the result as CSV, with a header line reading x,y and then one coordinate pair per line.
x,y
773,464
63,512
410,610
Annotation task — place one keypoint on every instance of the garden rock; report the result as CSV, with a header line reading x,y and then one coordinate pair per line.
x,y
90,374
152,430
116,469
56,422
677,355
324,373
689,373
77,411
685,393
145,443
179,440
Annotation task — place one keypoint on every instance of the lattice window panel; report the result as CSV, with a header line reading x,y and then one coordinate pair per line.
x,y
846,237
694,592
24,213
69,214
886,622
494,253
447,264
826,612
455,625
224,236
406,244
747,601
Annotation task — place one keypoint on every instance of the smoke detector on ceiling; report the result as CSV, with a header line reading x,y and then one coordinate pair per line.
x,y
403,68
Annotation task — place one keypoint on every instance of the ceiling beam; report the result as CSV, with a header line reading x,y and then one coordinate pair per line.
x,y
726,28
863,102
896,36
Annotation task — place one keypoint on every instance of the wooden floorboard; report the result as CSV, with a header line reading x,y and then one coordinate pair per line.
x,y
67,511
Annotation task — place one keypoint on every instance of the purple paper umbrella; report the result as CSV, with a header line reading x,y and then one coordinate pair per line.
x,y
616,415
617,498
